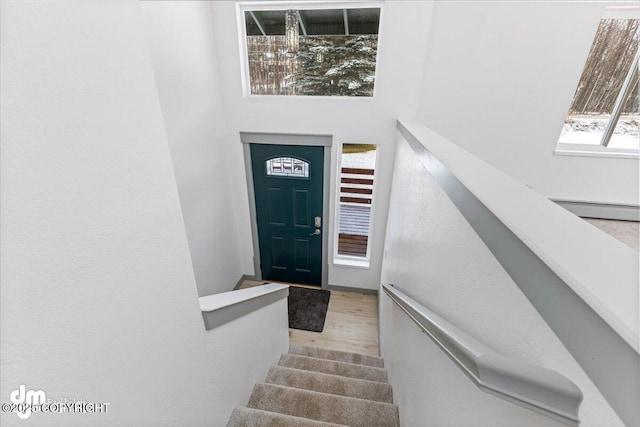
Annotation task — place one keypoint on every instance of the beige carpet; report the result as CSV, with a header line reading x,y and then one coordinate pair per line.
x,y
319,387
628,232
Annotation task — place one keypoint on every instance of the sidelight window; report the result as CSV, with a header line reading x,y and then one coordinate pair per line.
x,y
357,172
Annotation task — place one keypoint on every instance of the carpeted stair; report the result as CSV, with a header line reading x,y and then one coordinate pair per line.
x,y
312,387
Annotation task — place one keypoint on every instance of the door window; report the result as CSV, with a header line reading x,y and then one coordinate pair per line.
x,y
287,166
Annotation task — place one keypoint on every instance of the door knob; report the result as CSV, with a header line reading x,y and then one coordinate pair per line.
x,y
315,233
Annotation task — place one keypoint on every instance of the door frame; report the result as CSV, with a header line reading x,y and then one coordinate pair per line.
x,y
325,141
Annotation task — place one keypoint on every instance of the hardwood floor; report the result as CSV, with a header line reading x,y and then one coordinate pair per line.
x,y
351,324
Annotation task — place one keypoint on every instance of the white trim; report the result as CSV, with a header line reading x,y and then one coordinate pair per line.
x,y
225,299
374,197
601,210
222,308
308,5
242,47
625,10
317,97
594,150
286,139
625,91
351,261
324,141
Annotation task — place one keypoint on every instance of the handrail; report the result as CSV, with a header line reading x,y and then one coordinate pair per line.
x,y
221,308
534,387
599,269
581,281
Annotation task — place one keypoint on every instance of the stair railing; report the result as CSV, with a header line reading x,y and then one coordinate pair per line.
x,y
530,386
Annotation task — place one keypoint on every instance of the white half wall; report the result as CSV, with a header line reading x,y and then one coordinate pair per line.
x,y
401,56
434,256
499,79
99,298
180,38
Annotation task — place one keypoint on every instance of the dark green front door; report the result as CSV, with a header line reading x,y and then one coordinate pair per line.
x,y
287,180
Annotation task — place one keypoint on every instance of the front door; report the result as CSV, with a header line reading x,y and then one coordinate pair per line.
x,y
287,181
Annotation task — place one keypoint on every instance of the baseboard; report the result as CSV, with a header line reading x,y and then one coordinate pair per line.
x,y
350,289
243,278
601,210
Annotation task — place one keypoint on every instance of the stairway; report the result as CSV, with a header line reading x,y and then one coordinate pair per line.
x,y
313,387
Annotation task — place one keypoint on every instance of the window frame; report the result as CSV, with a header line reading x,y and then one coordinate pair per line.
x,y
352,260
620,100
602,149
246,6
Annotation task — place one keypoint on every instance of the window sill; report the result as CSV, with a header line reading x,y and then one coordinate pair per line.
x,y
317,97
353,262
587,150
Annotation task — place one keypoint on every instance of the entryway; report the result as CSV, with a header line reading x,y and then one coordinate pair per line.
x,y
351,323
288,186
280,163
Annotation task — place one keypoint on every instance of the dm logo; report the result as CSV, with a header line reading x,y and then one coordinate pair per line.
x,y
26,399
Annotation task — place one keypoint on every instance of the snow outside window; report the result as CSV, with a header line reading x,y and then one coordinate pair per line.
x,y
314,52
605,111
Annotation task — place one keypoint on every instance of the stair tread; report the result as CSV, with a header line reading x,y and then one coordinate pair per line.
x,y
251,417
333,367
323,407
341,356
329,383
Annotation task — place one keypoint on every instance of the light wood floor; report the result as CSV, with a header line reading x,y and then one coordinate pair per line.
x,y
351,324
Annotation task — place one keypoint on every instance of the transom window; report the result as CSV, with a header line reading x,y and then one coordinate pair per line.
x,y
287,166
605,111
313,52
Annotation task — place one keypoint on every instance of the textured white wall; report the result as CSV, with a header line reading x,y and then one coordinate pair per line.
x,y
498,81
401,57
434,256
180,38
431,390
99,300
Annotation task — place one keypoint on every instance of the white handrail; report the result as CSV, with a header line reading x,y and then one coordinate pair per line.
x,y
597,267
534,387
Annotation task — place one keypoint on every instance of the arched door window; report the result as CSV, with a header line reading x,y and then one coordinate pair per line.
x,y
287,166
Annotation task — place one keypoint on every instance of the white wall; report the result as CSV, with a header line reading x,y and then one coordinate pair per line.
x,y
432,390
180,38
434,256
372,121
498,80
99,299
